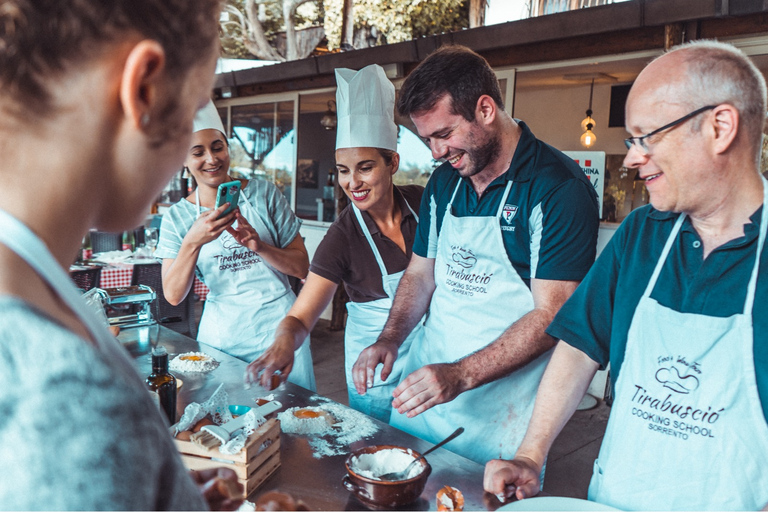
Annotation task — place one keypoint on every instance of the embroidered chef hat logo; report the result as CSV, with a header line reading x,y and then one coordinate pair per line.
x,y
365,109
228,242
464,258
670,378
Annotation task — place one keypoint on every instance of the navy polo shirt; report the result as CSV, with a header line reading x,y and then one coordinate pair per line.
x,y
551,222
597,317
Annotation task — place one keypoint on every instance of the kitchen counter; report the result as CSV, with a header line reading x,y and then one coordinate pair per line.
x,y
316,481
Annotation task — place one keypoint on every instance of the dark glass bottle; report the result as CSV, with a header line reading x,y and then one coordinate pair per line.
x,y
162,384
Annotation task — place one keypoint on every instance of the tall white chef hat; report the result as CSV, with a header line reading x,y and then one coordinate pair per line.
x,y
208,118
365,109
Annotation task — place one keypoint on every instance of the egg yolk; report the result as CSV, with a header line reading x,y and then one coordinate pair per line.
x,y
306,414
193,358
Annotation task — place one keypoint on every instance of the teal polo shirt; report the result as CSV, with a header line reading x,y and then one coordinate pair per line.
x,y
596,318
551,222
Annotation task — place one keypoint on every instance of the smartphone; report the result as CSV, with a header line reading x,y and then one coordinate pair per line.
x,y
228,193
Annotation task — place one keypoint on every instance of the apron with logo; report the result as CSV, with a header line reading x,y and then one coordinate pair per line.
x,y
247,299
365,321
687,430
478,295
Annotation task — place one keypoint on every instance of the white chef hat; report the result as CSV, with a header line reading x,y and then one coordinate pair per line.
x,y
207,118
365,109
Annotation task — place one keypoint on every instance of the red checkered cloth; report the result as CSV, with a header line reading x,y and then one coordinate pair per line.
x,y
200,289
119,275
116,276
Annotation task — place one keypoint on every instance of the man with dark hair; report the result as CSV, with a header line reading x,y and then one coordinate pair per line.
x,y
508,228
675,303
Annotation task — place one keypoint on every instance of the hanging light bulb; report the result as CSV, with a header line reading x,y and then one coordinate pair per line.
x,y
588,137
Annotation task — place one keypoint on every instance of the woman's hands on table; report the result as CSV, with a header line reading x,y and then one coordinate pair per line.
x,y
219,488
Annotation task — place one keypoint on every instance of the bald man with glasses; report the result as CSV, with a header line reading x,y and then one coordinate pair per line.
x,y
674,304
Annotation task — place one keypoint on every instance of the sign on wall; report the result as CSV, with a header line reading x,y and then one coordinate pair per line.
x,y
593,165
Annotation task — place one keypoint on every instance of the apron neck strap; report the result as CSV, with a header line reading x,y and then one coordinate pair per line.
x,y
664,254
504,199
367,233
453,196
197,199
21,240
368,237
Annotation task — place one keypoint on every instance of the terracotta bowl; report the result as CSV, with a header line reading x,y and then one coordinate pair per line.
x,y
381,495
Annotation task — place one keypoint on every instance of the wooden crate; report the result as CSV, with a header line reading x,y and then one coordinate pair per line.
x,y
253,464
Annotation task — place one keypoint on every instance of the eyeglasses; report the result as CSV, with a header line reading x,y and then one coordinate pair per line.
x,y
642,145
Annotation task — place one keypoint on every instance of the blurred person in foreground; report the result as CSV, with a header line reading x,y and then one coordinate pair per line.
x,y
96,101
367,248
244,257
508,228
674,303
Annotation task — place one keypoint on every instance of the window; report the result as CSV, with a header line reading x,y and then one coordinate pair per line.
x,y
262,143
316,193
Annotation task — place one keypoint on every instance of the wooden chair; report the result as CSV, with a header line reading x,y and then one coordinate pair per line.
x,y
180,318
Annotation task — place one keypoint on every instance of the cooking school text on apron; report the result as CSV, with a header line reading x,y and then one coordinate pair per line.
x,y
687,430
478,295
247,299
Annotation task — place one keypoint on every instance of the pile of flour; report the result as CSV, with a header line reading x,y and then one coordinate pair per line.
x,y
193,362
326,440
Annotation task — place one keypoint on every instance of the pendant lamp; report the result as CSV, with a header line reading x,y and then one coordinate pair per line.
x,y
588,138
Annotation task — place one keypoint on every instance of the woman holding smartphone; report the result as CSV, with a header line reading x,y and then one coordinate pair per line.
x,y
244,257
367,248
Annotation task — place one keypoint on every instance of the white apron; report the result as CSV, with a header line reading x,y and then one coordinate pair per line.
x,y
687,430
478,296
21,240
247,299
365,321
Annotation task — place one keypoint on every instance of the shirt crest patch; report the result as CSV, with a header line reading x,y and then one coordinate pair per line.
x,y
508,212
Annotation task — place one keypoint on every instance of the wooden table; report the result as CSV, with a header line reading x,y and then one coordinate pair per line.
x,y
316,481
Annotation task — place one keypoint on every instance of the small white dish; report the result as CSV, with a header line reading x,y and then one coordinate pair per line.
x,y
554,503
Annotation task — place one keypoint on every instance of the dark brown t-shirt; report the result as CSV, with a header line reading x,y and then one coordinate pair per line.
x,y
344,253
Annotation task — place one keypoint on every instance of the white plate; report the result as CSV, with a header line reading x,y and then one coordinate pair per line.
x,y
554,503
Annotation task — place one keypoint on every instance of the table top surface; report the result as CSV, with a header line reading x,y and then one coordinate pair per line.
x,y
316,481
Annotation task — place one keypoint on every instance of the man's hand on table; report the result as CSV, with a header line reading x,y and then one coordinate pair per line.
x,y
364,369
427,387
506,478
219,487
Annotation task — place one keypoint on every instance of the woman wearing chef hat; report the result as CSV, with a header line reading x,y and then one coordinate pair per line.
x,y
367,248
244,257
